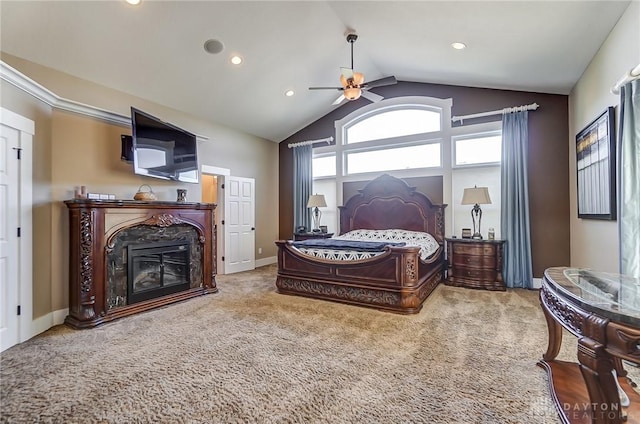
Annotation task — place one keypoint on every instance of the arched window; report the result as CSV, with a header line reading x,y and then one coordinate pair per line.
x,y
398,134
398,122
403,136
412,137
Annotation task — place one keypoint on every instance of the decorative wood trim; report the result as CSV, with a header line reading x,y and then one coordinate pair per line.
x,y
86,252
163,220
411,270
569,317
336,291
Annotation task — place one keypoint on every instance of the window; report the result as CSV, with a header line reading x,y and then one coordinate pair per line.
x,y
394,123
476,154
324,166
405,136
389,159
477,149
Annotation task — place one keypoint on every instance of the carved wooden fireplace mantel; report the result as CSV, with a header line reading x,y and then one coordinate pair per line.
x,y
100,233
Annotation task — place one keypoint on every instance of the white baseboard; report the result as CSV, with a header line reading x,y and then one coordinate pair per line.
x,y
59,316
41,324
266,261
537,283
45,322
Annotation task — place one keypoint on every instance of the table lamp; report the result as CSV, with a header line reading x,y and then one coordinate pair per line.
x,y
476,196
316,201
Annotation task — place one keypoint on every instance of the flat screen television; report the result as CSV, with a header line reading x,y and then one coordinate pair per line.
x,y
162,150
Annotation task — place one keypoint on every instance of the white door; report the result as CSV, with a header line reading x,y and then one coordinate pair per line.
x,y
239,224
9,289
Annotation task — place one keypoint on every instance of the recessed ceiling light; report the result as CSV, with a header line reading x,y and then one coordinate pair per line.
x,y
236,60
289,93
133,2
458,46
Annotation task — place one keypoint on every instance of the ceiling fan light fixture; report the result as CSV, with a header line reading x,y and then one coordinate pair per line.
x,y
352,93
343,81
352,83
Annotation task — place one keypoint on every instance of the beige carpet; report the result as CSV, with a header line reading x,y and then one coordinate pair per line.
x,y
250,355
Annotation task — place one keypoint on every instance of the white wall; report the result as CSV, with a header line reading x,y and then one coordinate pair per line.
x,y
594,243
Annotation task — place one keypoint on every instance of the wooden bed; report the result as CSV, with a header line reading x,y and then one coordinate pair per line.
x,y
397,280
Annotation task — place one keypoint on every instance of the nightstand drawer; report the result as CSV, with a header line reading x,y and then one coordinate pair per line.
x,y
473,274
474,261
474,249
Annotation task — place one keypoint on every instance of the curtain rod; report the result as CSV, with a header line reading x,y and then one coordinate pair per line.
x,y
628,77
304,143
532,106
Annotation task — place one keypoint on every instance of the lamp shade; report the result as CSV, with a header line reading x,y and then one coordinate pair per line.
x,y
476,196
316,200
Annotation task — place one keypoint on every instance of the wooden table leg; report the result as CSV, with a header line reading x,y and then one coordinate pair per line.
x,y
555,332
596,366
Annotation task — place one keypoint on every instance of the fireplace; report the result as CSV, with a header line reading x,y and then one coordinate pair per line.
x,y
170,246
157,269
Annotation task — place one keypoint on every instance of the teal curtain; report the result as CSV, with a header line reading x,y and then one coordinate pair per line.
x,y
629,179
514,215
302,185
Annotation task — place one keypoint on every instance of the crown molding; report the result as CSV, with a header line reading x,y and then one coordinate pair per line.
x,y
31,87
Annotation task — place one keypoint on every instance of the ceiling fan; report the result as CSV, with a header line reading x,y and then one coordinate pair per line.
x,y
353,85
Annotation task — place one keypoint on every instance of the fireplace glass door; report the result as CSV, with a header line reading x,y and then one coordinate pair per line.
x,y
157,269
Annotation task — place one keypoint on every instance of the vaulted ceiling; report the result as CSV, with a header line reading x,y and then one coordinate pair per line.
x,y
155,50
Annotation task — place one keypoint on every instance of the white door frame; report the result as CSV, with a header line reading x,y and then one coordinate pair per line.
x,y
26,127
220,173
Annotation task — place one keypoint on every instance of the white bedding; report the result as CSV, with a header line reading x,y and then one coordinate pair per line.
x,y
425,241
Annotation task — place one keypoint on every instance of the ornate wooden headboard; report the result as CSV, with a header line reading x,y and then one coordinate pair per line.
x,y
387,203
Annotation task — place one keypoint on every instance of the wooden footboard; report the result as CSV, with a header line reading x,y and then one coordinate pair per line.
x,y
396,281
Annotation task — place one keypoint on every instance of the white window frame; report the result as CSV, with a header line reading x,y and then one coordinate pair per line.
x,y
317,155
473,131
443,137
386,146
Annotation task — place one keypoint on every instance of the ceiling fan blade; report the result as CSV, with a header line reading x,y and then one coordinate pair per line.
x,y
380,82
371,96
347,73
326,88
339,100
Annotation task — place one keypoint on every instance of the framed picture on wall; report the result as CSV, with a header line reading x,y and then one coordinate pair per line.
x,y
596,168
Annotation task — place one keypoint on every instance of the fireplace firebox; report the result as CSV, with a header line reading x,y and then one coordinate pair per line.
x,y
157,269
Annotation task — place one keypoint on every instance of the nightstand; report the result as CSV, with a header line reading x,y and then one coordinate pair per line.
x,y
475,263
307,236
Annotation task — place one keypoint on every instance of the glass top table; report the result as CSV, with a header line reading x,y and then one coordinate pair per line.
x,y
603,311
614,296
